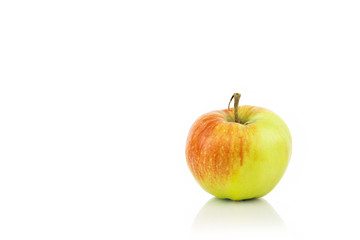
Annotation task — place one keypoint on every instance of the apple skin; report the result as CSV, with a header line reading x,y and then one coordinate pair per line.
x,y
238,161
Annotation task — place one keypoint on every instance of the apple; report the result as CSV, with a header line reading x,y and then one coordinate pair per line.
x,y
238,153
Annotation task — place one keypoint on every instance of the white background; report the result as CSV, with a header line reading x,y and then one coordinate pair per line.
x,y
97,98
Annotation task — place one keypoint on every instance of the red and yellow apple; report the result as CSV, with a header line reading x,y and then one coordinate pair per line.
x,y
238,153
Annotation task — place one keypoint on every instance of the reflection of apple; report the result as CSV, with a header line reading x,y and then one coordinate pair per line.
x,y
254,219
238,153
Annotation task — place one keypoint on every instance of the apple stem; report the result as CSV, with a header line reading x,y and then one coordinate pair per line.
x,y
236,97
